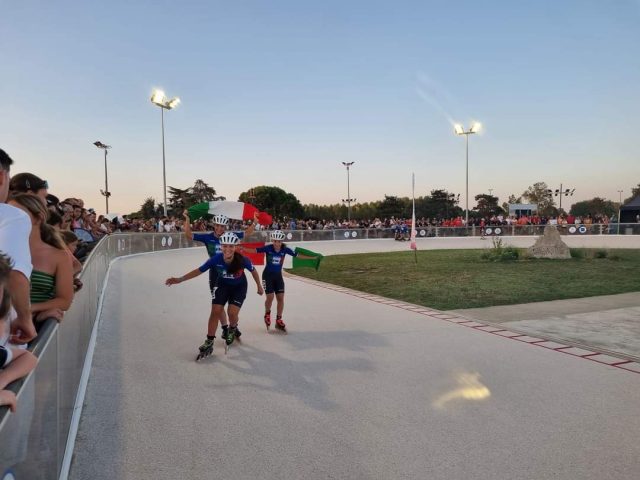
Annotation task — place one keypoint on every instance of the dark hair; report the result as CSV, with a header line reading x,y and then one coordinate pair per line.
x,y
54,219
68,236
5,268
237,264
5,160
26,182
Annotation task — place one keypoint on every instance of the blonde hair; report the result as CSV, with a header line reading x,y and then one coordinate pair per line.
x,y
36,208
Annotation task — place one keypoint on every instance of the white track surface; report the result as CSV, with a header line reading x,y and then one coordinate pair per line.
x,y
357,390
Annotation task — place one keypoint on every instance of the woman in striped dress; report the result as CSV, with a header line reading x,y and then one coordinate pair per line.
x,y
52,277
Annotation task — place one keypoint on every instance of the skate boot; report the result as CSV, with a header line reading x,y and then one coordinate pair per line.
x,y
206,349
280,325
238,333
231,336
225,332
267,320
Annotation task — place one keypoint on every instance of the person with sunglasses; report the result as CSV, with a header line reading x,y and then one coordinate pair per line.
x,y
30,183
230,289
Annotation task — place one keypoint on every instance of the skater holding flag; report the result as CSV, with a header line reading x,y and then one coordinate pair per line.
x,y
272,280
230,289
212,243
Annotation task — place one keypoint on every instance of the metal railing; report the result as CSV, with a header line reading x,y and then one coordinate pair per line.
x,y
33,440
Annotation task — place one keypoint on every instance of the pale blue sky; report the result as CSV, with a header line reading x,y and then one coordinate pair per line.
x,y
280,92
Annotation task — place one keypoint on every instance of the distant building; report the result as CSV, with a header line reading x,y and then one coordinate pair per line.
x,y
519,209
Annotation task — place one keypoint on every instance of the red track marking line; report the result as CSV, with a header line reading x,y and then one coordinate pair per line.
x,y
562,348
619,363
588,355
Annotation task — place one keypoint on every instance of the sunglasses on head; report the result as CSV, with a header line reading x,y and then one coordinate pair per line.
x,y
44,184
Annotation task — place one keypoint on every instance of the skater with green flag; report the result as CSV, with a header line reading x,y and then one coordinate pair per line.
x,y
272,280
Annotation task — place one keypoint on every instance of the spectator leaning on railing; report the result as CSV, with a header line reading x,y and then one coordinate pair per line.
x,y
15,228
15,363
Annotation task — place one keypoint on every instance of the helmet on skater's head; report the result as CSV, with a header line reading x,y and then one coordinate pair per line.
x,y
277,235
220,220
229,238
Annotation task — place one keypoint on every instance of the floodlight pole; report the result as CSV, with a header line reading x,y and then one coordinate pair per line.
x,y
348,199
106,192
164,169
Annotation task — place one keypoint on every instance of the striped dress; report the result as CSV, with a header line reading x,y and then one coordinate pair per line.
x,y
43,286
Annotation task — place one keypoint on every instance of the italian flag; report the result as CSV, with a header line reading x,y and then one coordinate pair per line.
x,y
234,210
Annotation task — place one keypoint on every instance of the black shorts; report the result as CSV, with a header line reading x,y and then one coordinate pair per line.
x,y
213,279
272,282
232,294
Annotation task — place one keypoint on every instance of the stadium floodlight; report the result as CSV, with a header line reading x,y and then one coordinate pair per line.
x,y
348,200
459,130
106,193
159,98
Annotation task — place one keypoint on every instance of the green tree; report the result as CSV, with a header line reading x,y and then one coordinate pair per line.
x,y
538,194
595,206
179,198
487,205
635,191
393,206
274,201
440,204
201,192
148,208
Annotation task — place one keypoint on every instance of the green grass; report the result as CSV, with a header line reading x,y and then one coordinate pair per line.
x,y
453,279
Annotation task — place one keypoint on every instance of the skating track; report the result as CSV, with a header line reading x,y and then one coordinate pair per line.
x,y
357,390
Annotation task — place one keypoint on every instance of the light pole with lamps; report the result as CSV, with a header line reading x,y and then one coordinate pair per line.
x,y
348,200
159,98
560,192
106,193
459,129
619,207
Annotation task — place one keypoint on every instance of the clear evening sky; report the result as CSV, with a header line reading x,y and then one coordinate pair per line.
x,y
281,92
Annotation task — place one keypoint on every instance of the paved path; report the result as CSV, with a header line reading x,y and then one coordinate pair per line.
x,y
357,390
610,322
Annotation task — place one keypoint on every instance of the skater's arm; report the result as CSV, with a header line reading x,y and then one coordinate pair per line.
x,y
247,250
187,226
192,274
254,274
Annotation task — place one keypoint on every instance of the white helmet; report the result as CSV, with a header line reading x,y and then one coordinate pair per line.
x,y
221,220
229,238
277,235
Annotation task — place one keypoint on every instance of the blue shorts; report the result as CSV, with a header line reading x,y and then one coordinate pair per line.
x,y
231,294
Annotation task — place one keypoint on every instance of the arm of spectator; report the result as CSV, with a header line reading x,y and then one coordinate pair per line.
x,y
64,286
251,228
8,399
187,226
22,328
20,363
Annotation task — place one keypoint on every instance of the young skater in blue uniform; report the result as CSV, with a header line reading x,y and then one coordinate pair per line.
x,y
272,280
211,242
230,288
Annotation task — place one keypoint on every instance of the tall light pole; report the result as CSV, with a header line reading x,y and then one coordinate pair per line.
x,y
348,200
561,192
619,209
459,129
106,193
159,98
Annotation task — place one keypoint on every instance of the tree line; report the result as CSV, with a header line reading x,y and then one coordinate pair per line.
x,y
438,203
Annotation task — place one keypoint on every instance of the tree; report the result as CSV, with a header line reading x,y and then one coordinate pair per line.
x,y
440,204
179,198
148,208
635,191
393,206
538,194
201,192
274,201
512,199
595,206
487,205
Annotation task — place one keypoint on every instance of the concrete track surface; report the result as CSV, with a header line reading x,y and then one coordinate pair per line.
x,y
357,390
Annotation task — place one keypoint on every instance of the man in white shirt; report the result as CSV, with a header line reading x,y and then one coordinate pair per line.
x,y
15,227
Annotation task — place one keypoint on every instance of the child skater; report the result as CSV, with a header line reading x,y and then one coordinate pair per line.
x,y
230,289
272,280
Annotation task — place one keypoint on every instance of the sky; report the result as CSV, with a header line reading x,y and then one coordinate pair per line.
x,y
281,92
